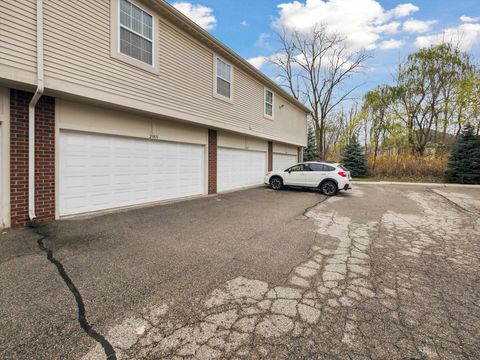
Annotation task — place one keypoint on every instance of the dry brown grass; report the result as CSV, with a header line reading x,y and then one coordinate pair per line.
x,y
409,167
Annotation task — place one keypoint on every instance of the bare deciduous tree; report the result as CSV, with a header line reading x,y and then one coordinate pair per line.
x,y
314,65
342,126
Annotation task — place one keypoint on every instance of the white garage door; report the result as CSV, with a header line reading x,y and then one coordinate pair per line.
x,y
100,172
282,161
239,168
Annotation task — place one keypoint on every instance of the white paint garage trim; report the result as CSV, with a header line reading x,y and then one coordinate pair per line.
x,y
283,161
103,172
2,179
238,168
4,158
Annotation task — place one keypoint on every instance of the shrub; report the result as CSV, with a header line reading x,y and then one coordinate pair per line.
x,y
409,167
355,160
310,153
464,162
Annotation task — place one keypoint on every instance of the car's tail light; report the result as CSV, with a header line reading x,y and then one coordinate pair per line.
x,y
342,173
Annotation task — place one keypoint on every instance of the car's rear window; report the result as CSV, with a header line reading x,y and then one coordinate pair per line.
x,y
321,167
316,167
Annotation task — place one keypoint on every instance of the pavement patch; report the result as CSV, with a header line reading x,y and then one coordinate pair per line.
x,y
375,273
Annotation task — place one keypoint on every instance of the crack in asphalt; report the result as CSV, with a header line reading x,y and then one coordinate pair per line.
x,y
82,318
381,272
307,210
458,206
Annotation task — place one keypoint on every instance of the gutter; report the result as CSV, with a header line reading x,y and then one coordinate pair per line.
x,y
31,113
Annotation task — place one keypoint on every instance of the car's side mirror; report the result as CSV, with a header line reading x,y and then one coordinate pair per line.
x,y
289,171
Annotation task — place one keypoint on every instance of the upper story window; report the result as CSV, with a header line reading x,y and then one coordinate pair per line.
x,y
223,79
136,32
268,108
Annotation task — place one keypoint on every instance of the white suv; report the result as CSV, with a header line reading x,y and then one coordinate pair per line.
x,y
328,177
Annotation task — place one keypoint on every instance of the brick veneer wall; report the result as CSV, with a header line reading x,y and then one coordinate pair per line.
x,y
44,158
212,161
270,156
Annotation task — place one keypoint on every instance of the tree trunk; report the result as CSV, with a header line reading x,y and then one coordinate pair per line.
x,y
324,143
411,141
375,153
366,135
444,132
318,140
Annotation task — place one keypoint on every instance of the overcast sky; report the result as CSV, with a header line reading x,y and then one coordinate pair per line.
x,y
389,29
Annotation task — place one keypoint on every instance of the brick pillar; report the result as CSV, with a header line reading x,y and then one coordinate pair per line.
x,y
270,156
212,161
300,154
44,158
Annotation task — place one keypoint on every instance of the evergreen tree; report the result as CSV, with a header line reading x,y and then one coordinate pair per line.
x,y
310,153
464,163
355,160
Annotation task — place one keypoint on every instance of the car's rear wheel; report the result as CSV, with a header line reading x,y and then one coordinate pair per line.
x,y
329,188
276,183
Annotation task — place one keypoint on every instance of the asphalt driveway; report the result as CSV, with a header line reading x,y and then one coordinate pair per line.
x,y
381,272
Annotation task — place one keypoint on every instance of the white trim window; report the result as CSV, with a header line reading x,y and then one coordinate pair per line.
x,y
269,99
135,32
223,79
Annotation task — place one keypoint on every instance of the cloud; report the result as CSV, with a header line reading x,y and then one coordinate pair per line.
x,y
389,28
418,26
465,36
403,10
262,41
200,14
391,44
362,22
469,19
258,61
244,23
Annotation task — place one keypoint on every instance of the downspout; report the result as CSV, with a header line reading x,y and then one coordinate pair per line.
x,y
31,113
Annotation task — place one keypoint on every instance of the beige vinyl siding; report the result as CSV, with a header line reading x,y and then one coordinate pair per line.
x,y
18,34
285,149
237,141
79,62
71,115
